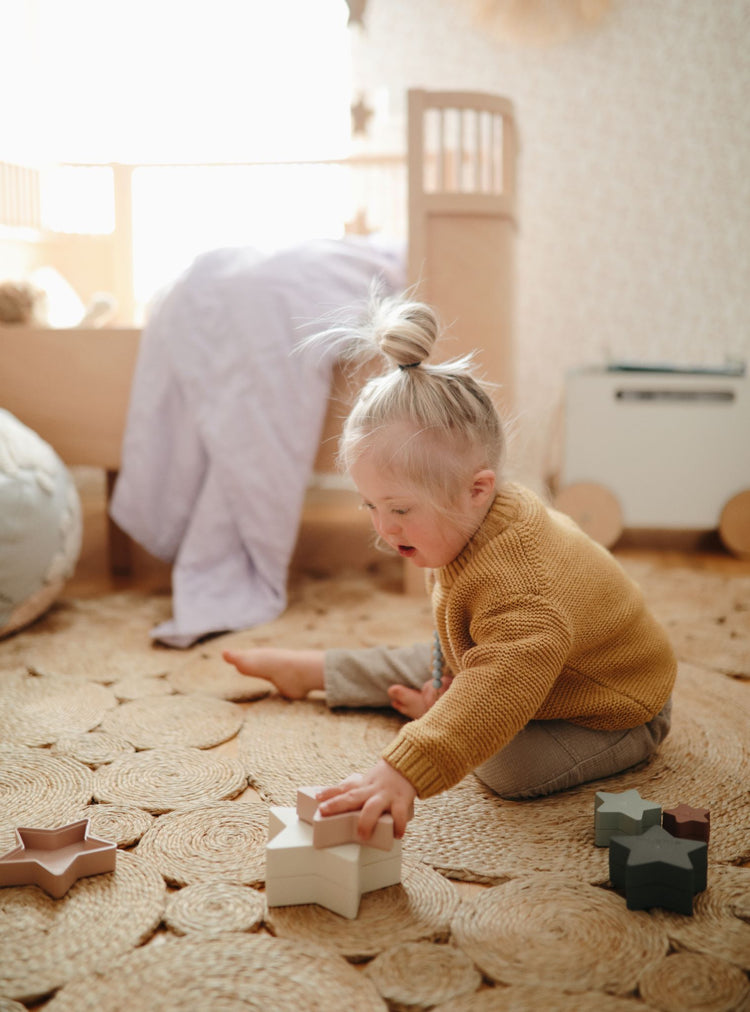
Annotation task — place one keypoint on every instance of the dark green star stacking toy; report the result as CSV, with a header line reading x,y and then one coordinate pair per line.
x,y
657,869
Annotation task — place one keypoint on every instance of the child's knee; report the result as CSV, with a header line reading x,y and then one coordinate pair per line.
x,y
551,756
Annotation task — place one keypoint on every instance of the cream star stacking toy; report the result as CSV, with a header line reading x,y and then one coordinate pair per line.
x,y
315,859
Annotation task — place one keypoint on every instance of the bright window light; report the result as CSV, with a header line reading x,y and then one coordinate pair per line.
x,y
179,213
166,81
165,84
78,199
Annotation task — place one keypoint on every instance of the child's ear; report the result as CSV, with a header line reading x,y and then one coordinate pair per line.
x,y
483,486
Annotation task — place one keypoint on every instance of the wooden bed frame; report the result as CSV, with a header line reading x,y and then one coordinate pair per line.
x,y
72,386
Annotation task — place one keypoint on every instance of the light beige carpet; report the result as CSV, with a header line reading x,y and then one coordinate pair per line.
x,y
176,757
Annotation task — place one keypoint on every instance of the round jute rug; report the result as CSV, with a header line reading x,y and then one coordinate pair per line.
x,y
46,942
38,710
140,687
100,639
8,1005
209,674
158,721
561,931
123,824
221,841
687,980
526,998
722,647
162,779
225,973
419,975
41,790
421,907
214,907
285,744
93,660
707,617
95,748
720,925
684,594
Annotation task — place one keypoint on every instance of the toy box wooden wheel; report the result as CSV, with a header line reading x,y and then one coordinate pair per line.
x,y
734,525
594,508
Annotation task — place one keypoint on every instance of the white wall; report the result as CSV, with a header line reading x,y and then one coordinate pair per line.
x,y
634,173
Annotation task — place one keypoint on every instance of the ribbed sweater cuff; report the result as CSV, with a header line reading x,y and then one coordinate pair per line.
x,y
407,760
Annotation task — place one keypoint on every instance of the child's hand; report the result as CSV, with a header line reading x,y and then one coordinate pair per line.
x,y
379,790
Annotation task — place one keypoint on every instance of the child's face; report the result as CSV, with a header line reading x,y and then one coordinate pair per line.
x,y
411,525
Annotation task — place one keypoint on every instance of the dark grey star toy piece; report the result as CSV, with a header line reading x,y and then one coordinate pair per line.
x,y
657,869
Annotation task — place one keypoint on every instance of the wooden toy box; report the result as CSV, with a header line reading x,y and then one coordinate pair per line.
x,y
658,449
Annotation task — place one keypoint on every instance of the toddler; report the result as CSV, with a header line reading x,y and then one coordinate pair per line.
x,y
547,669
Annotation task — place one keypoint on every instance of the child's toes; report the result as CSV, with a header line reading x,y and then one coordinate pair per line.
x,y
239,661
407,701
395,697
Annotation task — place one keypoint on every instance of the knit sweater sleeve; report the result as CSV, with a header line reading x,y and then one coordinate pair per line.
x,y
518,649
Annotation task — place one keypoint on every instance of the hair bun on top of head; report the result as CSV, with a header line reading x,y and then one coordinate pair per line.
x,y
404,331
443,401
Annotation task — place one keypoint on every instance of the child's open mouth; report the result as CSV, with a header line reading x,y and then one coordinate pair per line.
x,y
406,550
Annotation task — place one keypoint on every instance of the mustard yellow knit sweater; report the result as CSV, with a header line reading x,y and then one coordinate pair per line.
x,y
536,621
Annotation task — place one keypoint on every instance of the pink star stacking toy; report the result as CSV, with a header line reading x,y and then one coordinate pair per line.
x,y
54,859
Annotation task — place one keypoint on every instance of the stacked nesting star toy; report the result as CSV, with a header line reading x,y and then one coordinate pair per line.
x,y
657,859
312,858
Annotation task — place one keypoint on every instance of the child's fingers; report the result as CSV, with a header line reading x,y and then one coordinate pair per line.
x,y
400,810
401,813
337,798
347,802
372,809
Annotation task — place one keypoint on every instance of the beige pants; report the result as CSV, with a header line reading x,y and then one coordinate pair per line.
x,y
544,757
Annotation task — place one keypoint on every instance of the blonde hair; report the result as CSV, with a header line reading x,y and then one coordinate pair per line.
x,y
433,424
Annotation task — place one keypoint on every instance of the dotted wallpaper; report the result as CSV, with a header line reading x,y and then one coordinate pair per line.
x,y
634,180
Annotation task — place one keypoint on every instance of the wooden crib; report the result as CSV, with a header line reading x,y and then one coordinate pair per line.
x,y
72,386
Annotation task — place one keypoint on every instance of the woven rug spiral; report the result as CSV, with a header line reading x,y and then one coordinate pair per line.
x,y
223,973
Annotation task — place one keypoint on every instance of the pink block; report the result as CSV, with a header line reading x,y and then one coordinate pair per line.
x,y
307,803
333,830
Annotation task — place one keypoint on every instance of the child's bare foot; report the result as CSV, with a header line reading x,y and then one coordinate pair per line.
x,y
293,672
416,702
411,702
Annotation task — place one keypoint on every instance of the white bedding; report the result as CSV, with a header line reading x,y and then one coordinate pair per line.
x,y
224,423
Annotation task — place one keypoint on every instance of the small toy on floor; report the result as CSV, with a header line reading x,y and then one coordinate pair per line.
x,y
687,823
332,875
656,869
54,859
627,812
658,859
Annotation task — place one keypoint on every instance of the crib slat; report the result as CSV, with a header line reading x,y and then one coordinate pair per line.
x,y
19,196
